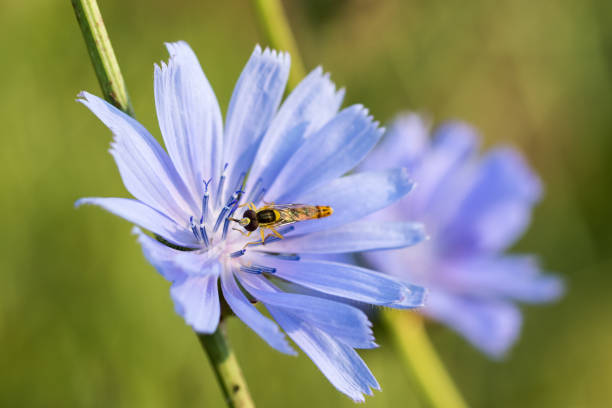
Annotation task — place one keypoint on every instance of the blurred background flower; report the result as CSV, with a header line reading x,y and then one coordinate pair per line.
x,y
82,321
473,209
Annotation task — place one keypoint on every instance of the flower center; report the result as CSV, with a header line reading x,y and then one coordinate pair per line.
x,y
207,232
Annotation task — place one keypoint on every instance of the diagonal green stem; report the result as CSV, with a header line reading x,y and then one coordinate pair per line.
x,y
420,357
226,369
278,33
101,53
105,64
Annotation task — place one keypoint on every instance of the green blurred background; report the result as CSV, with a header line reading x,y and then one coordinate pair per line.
x,y
85,321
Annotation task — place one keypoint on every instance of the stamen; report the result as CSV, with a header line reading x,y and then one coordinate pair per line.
x,y
194,229
227,220
225,228
221,217
205,200
250,269
240,182
264,269
225,211
285,230
221,182
238,190
255,189
287,257
257,269
203,232
235,198
260,195
228,210
237,254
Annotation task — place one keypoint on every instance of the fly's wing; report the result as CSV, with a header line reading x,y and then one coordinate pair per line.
x,y
291,213
281,206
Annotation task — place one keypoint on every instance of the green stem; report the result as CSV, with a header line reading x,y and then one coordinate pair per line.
x,y
102,54
226,369
422,360
275,25
111,81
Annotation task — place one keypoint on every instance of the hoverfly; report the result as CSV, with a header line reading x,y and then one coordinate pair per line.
x,y
272,216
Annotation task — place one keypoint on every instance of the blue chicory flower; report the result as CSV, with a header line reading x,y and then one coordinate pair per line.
x,y
473,209
294,152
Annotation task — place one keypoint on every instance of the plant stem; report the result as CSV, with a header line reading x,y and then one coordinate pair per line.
x,y
102,55
421,358
113,86
273,21
226,369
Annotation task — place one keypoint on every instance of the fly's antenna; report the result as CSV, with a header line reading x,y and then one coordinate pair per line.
x,y
243,222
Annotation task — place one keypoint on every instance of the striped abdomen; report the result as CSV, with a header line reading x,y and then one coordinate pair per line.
x,y
323,211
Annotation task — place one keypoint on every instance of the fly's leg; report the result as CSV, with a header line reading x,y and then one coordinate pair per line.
x,y
246,234
268,205
251,243
262,242
250,204
275,232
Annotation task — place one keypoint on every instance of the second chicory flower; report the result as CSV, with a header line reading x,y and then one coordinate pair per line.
x,y
473,208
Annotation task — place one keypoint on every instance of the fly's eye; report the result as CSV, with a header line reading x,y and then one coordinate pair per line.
x,y
252,216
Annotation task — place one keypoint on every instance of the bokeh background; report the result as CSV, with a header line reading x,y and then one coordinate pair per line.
x,y
85,321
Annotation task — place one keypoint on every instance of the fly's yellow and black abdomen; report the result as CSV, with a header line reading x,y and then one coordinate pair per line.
x,y
324,211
